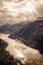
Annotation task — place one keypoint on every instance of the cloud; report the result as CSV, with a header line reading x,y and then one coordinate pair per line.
x,y
22,11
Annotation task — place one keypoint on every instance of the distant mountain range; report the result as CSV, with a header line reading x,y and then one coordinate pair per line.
x,y
5,28
31,34
9,28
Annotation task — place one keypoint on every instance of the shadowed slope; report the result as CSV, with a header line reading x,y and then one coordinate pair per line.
x,y
5,57
31,35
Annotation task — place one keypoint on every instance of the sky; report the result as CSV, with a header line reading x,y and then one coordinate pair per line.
x,y
15,11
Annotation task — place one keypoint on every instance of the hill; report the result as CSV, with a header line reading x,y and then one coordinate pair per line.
x,y
31,35
9,28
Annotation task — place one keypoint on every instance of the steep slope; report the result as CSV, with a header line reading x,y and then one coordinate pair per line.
x,y
16,27
31,34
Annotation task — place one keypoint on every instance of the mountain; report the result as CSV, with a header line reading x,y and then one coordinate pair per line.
x,y
31,35
5,28
16,27
9,28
